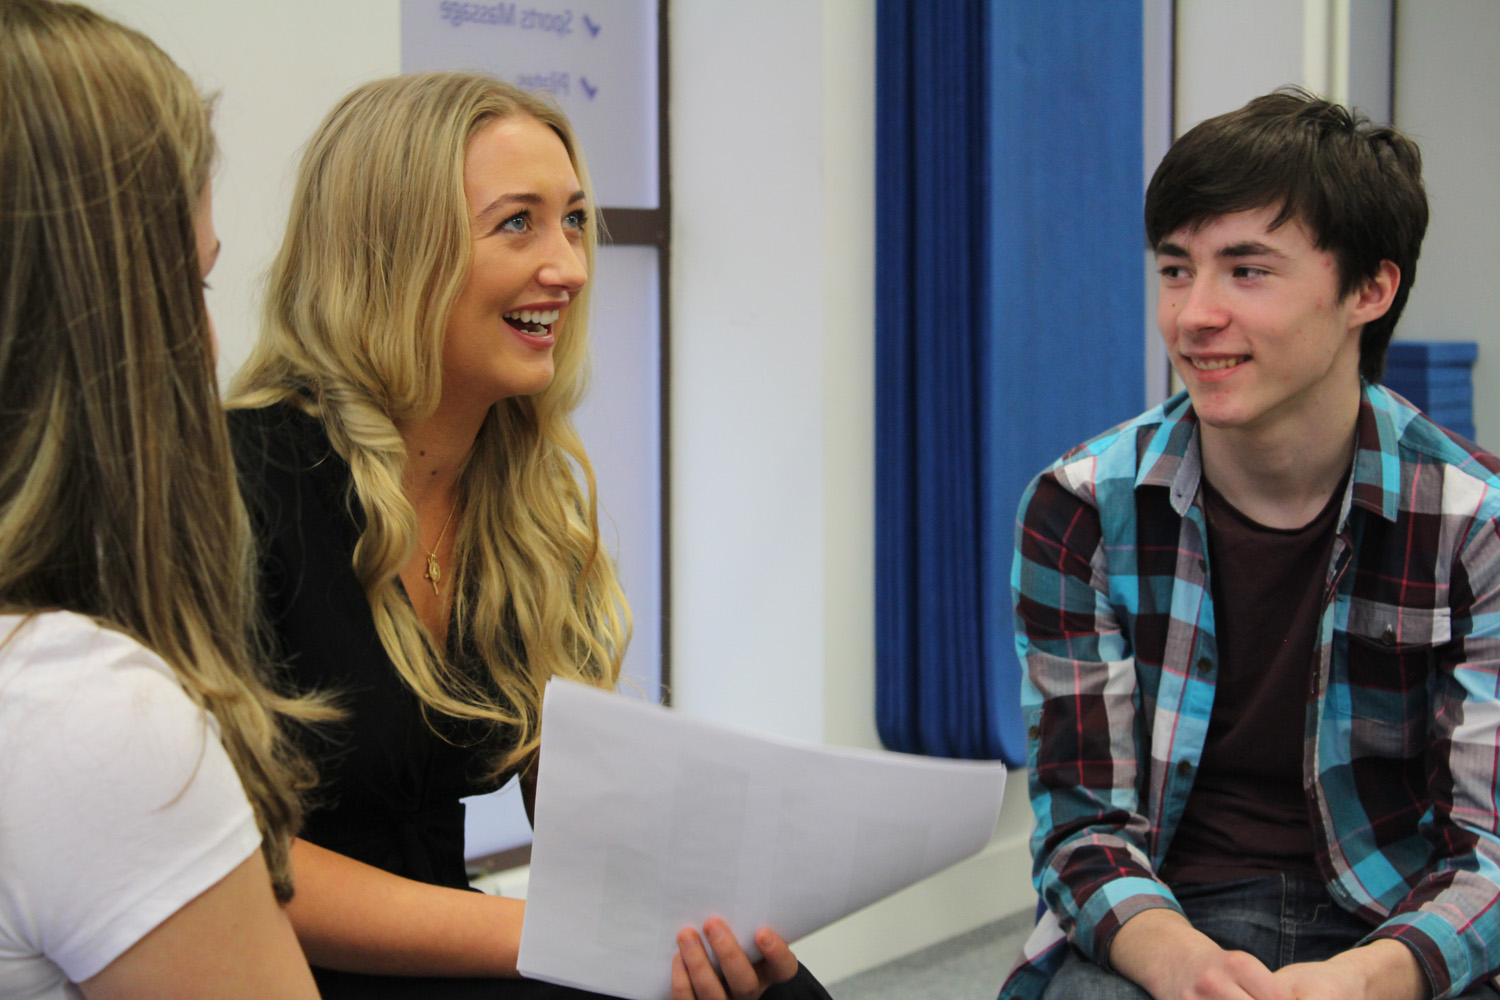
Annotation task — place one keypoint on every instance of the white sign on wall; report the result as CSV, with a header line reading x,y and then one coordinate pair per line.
x,y
597,57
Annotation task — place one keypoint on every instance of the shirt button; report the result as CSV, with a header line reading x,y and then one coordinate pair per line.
x,y
1388,637
1034,733
1203,565
1205,665
1184,768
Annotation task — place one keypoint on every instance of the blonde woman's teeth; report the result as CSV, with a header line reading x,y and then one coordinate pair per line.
x,y
532,320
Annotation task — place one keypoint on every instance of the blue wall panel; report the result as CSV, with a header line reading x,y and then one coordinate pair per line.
x,y
1011,299
1066,293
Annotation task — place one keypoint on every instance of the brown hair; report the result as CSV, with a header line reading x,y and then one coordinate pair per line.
x,y
117,495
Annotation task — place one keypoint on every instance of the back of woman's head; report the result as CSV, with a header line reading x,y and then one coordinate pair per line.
x,y
117,496
378,245
105,364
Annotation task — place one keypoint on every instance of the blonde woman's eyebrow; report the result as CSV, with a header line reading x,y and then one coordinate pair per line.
x,y
529,199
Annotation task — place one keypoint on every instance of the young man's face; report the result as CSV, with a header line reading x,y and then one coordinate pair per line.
x,y
1255,326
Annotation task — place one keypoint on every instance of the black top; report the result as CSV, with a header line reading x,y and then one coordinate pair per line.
x,y
1247,814
389,785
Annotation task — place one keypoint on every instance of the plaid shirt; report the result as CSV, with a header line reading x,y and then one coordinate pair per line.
x,y
1115,626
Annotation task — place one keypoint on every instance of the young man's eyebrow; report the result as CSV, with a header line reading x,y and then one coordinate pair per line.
x,y
1250,248
1246,248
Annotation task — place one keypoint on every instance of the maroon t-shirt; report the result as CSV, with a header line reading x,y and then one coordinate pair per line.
x,y
1247,814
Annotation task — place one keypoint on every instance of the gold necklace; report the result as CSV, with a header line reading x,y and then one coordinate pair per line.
x,y
434,574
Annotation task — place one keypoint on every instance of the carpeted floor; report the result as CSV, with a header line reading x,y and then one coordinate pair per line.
x,y
967,967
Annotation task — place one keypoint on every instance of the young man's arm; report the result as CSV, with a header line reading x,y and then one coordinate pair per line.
x,y
1380,970
1090,847
1446,933
1449,923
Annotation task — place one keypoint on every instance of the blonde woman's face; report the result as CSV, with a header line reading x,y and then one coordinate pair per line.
x,y
208,250
527,215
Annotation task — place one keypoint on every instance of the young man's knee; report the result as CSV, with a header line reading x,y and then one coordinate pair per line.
x,y
1080,979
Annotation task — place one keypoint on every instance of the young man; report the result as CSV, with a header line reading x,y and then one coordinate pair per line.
x,y
1261,623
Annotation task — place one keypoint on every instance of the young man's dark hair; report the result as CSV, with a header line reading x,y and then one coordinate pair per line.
x,y
1354,185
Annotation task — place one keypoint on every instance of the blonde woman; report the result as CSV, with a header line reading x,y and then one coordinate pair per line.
x,y
430,543
146,799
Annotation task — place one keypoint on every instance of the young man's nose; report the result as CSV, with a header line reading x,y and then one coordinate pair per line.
x,y
1203,306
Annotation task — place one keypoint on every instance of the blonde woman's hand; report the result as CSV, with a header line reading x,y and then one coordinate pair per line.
x,y
695,978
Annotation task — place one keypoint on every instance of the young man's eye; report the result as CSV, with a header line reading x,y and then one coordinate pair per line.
x,y
1246,271
1171,272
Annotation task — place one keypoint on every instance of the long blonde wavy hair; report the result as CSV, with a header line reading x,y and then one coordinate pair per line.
x,y
377,250
117,492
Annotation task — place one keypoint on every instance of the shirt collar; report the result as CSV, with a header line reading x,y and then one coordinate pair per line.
x,y
1376,483
1172,458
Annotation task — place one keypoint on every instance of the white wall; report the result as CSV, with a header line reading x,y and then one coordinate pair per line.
x,y
278,67
773,418
749,301
1228,51
1448,99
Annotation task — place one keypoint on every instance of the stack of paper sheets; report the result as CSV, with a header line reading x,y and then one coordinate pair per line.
x,y
648,821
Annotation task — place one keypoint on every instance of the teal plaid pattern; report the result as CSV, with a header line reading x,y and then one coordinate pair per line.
x,y
1115,630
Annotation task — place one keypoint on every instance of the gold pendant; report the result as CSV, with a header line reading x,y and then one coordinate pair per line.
x,y
434,573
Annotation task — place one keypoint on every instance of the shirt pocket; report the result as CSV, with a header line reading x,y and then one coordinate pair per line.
x,y
1386,681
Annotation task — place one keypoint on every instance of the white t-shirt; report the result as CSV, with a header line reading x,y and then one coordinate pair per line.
x,y
118,804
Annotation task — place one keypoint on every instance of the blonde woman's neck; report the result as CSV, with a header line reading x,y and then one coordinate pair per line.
x,y
437,449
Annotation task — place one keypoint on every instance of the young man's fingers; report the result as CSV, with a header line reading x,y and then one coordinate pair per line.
x,y
778,964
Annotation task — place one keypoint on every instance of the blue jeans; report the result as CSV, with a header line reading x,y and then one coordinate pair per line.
x,y
1280,919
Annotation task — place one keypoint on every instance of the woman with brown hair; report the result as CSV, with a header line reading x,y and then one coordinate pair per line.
x,y
147,798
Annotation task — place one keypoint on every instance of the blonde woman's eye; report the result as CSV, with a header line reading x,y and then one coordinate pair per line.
x,y
518,223
576,219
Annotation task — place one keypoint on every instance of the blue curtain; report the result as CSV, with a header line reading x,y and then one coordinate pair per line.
x,y
1009,324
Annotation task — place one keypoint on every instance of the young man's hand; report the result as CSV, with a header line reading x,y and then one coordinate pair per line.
x,y
1381,970
1166,956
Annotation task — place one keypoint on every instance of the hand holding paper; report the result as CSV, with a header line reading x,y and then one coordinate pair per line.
x,y
648,822
694,976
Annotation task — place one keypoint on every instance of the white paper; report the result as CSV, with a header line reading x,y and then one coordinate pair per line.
x,y
648,821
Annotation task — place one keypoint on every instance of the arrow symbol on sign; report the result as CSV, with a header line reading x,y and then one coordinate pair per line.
x,y
588,23
588,88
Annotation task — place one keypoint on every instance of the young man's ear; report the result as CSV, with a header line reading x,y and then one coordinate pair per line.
x,y
1373,298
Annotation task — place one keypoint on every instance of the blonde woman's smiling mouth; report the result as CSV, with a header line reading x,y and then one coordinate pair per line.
x,y
536,322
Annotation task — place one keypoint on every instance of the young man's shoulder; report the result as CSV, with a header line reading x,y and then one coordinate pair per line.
x,y
1420,444
1153,442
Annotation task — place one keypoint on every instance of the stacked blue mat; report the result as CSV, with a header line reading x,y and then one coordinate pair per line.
x,y
1438,377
